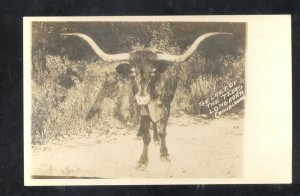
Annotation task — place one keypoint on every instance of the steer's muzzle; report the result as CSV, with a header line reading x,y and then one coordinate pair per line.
x,y
142,100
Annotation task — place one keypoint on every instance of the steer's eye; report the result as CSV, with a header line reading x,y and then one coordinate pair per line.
x,y
133,72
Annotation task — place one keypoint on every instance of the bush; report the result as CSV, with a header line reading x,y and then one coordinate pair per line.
x,y
60,108
67,97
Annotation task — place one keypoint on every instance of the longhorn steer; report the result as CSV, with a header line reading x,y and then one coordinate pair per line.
x,y
153,88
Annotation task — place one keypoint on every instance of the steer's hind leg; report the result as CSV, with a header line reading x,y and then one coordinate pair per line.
x,y
145,123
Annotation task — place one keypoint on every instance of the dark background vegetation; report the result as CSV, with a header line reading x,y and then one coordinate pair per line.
x,y
67,75
11,70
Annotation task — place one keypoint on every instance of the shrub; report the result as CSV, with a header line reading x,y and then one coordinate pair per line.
x,y
67,97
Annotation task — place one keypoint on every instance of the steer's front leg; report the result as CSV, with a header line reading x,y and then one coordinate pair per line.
x,y
144,128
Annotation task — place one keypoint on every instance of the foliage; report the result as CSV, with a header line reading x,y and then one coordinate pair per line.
x,y
64,89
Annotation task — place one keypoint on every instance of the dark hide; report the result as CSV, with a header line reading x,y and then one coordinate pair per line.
x,y
154,87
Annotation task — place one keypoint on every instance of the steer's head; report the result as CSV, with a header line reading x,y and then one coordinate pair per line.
x,y
145,71
144,67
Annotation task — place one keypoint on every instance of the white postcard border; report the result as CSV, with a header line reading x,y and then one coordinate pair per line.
x,y
268,120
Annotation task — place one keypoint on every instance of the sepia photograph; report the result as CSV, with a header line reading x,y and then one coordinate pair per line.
x,y
163,100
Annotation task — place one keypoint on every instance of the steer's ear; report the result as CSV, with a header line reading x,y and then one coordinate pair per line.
x,y
124,69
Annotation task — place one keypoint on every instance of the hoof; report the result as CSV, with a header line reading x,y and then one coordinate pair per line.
x,y
156,142
141,166
165,159
138,137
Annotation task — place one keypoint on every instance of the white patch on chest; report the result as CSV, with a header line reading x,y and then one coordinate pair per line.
x,y
156,110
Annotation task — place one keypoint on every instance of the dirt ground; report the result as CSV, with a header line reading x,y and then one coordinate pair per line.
x,y
198,148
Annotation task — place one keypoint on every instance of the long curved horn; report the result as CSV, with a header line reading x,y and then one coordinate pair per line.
x,y
189,52
105,57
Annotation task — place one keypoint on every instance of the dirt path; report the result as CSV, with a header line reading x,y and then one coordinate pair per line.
x,y
198,149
